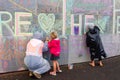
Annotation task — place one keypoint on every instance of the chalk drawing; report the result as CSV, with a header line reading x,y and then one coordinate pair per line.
x,y
69,4
54,0
117,4
76,30
19,22
46,21
21,6
58,26
118,24
16,18
48,15
5,23
83,6
102,22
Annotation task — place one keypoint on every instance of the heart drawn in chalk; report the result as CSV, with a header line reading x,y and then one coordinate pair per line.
x,y
46,21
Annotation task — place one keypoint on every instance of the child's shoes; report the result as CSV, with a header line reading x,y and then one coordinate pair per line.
x,y
52,73
59,71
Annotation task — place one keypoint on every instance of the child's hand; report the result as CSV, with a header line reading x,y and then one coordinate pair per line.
x,y
47,39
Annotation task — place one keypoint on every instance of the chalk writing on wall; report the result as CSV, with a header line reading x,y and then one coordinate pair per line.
x,y
83,6
18,20
100,21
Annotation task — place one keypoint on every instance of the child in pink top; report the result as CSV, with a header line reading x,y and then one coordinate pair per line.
x,y
54,46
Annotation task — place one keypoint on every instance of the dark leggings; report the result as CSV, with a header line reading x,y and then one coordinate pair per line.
x,y
94,55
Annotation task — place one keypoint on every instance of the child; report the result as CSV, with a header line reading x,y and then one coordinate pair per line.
x,y
95,45
46,52
54,46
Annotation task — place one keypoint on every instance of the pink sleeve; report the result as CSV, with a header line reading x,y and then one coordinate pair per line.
x,y
49,44
52,44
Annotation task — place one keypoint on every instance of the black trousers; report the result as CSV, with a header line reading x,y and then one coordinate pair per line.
x,y
94,54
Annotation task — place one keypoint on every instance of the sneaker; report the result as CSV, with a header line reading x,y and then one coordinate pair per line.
x,y
59,71
52,73
37,75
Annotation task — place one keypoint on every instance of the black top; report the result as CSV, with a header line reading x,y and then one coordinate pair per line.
x,y
93,41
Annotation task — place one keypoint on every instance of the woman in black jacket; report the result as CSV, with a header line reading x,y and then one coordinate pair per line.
x,y
94,43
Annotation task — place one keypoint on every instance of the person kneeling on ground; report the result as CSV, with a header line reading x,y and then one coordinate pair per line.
x,y
34,60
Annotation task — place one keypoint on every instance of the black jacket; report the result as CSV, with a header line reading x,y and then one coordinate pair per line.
x,y
93,41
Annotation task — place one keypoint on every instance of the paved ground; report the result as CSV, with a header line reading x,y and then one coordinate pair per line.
x,y
82,71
